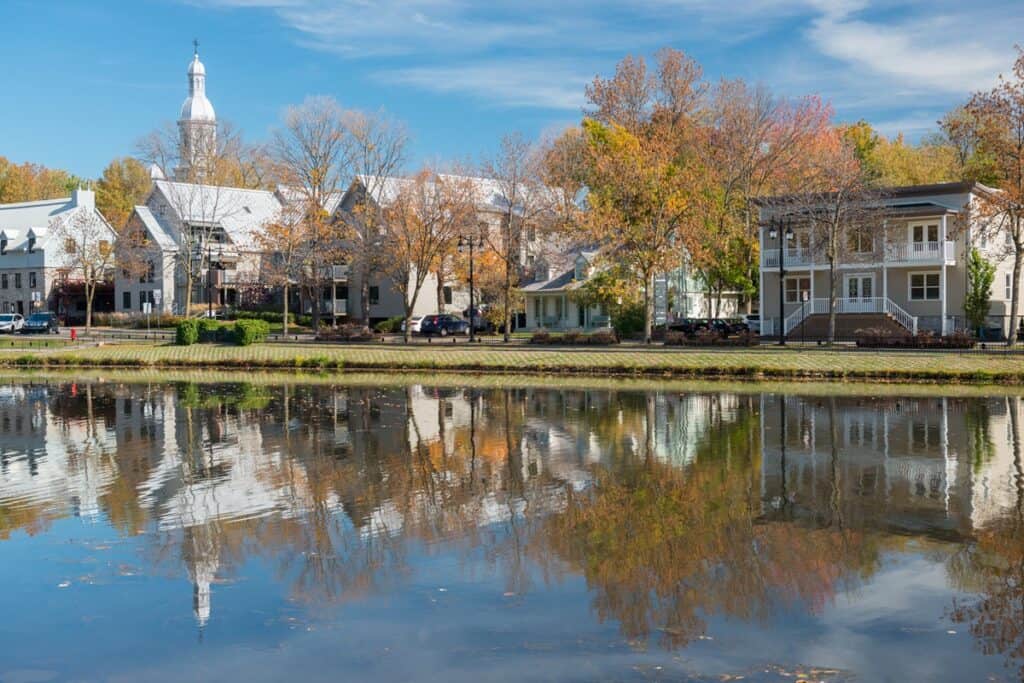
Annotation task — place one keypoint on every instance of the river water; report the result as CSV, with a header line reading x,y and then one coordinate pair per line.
x,y
265,531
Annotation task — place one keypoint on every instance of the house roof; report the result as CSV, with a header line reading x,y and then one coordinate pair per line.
x,y
156,230
242,213
23,220
489,194
889,194
564,282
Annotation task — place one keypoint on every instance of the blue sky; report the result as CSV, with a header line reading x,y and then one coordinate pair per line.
x,y
84,79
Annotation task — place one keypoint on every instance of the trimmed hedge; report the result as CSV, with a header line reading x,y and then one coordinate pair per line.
x,y
248,332
599,338
391,325
352,332
710,338
186,332
876,338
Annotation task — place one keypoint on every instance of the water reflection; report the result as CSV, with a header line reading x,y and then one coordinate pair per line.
x,y
682,513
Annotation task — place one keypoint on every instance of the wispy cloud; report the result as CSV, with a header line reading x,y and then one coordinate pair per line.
x,y
888,54
516,83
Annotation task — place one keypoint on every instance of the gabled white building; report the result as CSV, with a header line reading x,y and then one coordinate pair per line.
x,y
35,272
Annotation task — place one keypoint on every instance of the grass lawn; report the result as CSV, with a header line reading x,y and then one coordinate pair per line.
x,y
755,363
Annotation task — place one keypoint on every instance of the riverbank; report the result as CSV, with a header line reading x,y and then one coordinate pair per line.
x,y
761,363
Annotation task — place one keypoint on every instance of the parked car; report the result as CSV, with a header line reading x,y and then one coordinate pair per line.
x,y
753,322
11,322
688,326
414,324
443,325
41,323
480,323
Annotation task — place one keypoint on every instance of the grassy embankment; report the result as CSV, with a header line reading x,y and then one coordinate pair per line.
x,y
758,363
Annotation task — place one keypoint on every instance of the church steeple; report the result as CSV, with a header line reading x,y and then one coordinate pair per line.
x,y
197,125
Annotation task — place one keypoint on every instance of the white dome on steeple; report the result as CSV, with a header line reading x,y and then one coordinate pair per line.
x,y
196,106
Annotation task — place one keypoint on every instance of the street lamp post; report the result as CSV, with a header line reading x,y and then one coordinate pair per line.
x,y
209,275
783,230
469,244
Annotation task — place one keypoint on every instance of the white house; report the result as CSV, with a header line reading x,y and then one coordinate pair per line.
x,y
35,272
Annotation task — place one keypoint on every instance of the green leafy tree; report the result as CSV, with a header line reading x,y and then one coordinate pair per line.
x,y
980,276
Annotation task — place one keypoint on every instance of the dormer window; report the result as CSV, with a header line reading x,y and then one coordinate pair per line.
x,y
31,243
581,270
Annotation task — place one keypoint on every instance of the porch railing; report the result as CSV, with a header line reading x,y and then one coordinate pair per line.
x,y
895,252
876,304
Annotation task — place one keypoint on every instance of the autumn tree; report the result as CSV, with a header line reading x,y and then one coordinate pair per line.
x,y
85,245
525,208
420,222
28,182
893,162
124,184
375,151
838,200
999,116
282,243
757,144
311,153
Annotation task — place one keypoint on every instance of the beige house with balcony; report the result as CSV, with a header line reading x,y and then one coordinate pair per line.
x,y
905,271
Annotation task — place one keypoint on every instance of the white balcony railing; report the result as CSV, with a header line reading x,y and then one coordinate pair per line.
x,y
894,253
864,304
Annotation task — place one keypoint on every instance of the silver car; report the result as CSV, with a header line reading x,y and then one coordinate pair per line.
x,y
11,322
415,323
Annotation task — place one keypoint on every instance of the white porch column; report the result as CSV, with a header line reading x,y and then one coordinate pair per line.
x,y
885,260
942,275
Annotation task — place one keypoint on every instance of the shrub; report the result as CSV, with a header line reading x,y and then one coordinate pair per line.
x,y
273,317
710,338
603,338
629,321
390,325
349,332
249,332
186,333
540,337
210,330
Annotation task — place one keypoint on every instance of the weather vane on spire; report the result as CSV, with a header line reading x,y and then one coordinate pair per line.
x,y
195,45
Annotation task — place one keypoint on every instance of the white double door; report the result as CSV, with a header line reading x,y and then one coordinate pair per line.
x,y
859,293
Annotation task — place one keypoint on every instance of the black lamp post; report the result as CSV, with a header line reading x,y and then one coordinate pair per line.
x,y
781,227
209,277
470,244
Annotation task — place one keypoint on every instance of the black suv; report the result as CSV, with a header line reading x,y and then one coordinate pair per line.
x,y
443,325
40,323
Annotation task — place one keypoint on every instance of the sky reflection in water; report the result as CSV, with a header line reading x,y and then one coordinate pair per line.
x,y
314,532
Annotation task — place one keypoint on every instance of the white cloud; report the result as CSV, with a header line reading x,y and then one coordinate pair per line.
x,y
520,83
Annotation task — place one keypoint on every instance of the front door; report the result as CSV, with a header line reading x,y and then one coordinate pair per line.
x,y
581,311
860,293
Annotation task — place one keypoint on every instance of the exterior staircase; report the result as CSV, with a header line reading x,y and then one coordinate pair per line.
x,y
815,327
852,314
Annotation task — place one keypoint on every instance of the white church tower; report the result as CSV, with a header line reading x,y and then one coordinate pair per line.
x,y
197,125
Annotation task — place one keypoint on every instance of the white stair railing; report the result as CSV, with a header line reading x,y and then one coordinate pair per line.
x,y
852,305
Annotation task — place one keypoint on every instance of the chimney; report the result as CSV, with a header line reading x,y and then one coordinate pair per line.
x,y
83,198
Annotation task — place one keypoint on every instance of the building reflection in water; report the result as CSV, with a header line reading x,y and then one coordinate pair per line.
x,y
675,507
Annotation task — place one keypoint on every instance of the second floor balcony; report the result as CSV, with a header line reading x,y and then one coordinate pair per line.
x,y
893,253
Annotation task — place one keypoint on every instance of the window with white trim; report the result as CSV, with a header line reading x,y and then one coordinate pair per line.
x,y
924,287
795,287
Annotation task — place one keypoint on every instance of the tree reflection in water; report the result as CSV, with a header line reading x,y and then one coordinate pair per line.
x,y
677,509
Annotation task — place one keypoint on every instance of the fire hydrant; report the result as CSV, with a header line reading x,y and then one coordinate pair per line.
x,y
74,334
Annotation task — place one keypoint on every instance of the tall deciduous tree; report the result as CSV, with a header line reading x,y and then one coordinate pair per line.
x,y
420,223
86,249
124,184
527,210
311,151
375,152
999,115
641,204
838,200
